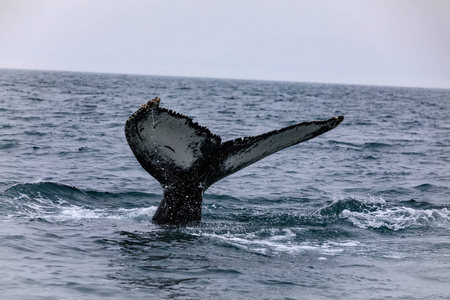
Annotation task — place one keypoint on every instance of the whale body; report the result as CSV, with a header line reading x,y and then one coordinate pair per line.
x,y
187,158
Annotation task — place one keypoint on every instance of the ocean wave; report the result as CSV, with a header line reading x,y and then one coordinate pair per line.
x,y
53,201
75,213
372,213
270,241
257,229
399,218
336,208
8,144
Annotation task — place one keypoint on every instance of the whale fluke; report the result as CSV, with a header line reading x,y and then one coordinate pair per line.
x,y
187,158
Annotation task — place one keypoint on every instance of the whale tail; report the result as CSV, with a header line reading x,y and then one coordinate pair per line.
x,y
187,158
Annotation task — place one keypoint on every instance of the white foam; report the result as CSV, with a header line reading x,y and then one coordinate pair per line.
x,y
280,243
399,218
79,213
345,244
368,200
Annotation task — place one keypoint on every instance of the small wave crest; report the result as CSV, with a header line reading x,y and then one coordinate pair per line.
x,y
372,213
79,213
52,201
399,218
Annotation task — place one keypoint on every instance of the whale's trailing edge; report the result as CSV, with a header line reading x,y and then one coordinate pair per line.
x,y
187,158
237,154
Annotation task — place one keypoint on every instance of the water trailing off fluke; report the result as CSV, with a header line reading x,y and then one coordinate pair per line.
x,y
187,158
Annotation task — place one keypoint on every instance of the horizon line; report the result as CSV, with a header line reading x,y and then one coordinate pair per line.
x,y
226,78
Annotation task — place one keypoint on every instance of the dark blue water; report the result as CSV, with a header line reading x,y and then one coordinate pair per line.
x,y
362,212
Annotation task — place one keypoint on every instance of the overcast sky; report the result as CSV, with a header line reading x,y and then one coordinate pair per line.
x,y
392,42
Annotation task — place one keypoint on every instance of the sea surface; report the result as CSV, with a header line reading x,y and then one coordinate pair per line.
x,y
361,212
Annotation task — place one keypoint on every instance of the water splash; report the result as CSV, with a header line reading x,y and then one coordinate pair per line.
x,y
372,213
399,218
56,202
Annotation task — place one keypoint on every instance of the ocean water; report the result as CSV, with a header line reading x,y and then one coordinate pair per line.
x,y
361,212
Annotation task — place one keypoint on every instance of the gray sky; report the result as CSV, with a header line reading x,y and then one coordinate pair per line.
x,y
393,42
